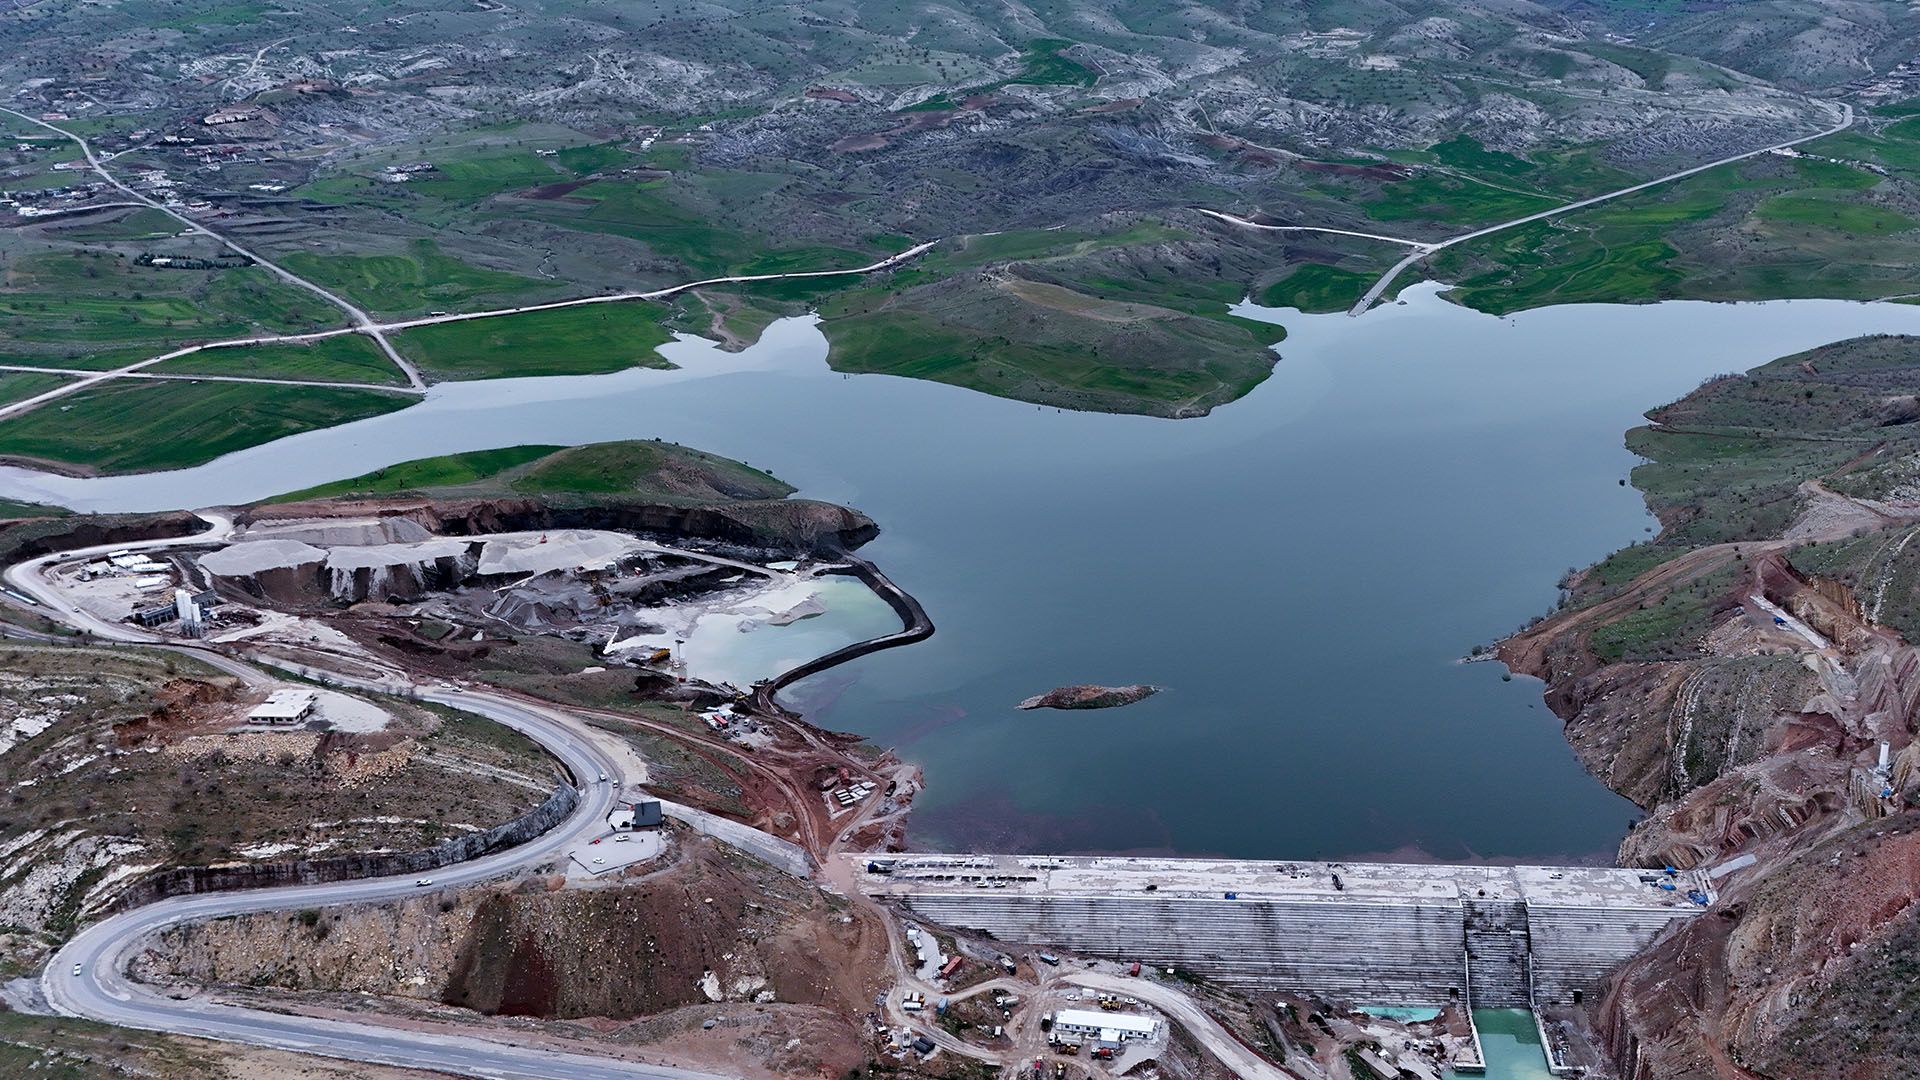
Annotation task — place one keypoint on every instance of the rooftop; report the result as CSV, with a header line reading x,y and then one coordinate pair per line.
x,y
290,704
1071,875
1087,1018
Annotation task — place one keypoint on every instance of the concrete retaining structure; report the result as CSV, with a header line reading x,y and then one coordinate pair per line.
x,y
1368,933
189,880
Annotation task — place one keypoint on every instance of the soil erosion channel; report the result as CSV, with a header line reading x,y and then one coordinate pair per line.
x,y
1299,571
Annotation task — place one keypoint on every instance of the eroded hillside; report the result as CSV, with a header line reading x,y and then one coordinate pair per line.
x,y
1738,676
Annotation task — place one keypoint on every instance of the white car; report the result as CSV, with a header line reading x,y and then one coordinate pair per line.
x,y
603,778
76,969
423,883
621,839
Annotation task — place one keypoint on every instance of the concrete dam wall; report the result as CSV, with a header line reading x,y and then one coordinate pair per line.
x,y
1377,933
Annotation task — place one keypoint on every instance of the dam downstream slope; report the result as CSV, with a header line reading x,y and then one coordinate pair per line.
x,y
1381,933
1407,484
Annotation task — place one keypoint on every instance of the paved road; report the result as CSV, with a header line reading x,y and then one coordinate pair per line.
x,y
363,324
1792,622
1421,245
102,991
1386,279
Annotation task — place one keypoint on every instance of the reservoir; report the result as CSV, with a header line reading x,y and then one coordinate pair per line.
x,y
1301,571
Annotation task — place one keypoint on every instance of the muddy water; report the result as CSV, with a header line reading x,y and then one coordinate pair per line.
x,y
1301,570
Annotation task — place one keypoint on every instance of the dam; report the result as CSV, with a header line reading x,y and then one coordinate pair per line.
x,y
1366,933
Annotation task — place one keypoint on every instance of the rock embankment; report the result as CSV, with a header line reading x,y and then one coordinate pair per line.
x,y
1090,697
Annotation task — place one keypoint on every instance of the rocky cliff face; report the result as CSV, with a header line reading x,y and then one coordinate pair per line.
x,y
1812,973
1736,677
786,526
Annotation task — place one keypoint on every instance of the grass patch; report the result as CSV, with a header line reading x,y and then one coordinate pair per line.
x,y
1317,287
345,358
1857,219
447,471
142,426
647,469
1431,196
21,385
1670,627
419,279
630,467
587,339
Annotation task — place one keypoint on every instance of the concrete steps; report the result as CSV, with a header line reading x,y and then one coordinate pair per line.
x,y
1497,945
1573,947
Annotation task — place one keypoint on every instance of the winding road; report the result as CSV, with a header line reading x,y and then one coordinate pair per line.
x,y
102,990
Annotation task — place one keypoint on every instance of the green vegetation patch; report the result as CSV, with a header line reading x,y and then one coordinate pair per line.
x,y
15,510
21,385
425,474
344,358
648,470
1318,287
1672,626
586,339
1856,218
132,425
409,282
1765,227
1436,196
1465,152
94,310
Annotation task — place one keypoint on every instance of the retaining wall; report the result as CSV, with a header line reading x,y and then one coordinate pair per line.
x,y
188,880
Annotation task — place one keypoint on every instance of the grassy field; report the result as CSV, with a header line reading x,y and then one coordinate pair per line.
x,y
412,282
14,510
427,475
134,425
66,308
642,469
1432,196
583,340
1766,227
346,358
20,385
1317,287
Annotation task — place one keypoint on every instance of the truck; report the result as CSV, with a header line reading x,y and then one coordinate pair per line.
x,y
953,964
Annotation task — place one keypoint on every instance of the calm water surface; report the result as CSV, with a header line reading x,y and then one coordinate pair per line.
x,y
1300,571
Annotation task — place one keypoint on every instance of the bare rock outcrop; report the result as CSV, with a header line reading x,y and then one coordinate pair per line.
x,y
1090,697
